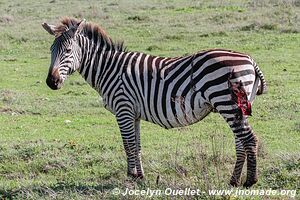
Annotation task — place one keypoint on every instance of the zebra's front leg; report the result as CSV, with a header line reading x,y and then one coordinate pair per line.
x,y
129,150
130,137
138,160
240,160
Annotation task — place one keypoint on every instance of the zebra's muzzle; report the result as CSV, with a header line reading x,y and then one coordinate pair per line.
x,y
54,83
54,80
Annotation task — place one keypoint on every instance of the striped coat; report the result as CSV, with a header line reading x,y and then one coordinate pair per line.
x,y
170,92
175,92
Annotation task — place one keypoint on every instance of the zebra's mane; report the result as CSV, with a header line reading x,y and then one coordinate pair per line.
x,y
93,32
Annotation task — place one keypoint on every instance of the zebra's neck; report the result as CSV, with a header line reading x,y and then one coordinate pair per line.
x,y
98,59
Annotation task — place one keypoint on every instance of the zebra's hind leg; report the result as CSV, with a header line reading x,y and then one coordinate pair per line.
x,y
240,160
245,138
246,144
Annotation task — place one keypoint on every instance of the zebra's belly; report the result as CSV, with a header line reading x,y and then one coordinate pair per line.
x,y
181,117
188,116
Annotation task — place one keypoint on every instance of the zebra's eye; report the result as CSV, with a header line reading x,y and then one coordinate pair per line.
x,y
68,51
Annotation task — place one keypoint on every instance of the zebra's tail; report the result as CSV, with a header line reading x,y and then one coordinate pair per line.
x,y
263,84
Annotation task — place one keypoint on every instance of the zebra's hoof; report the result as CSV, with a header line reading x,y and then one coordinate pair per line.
x,y
136,176
248,183
234,183
132,174
139,177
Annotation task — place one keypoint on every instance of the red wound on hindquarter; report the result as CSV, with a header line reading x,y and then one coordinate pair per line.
x,y
239,96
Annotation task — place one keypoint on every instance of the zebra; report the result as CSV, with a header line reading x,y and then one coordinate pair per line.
x,y
169,92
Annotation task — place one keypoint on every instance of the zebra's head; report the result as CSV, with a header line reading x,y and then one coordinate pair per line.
x,y
65,52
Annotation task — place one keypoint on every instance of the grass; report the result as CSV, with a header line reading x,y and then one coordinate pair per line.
x,y
65,145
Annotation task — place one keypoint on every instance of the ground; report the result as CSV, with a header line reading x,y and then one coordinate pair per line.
x,y
65,145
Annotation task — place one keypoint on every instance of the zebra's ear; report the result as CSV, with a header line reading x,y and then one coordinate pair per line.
x,y
49,28
80,27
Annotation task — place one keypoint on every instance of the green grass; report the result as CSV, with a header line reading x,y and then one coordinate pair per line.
x,y
42,155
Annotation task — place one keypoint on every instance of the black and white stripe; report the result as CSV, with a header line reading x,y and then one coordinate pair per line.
x,y
170,92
